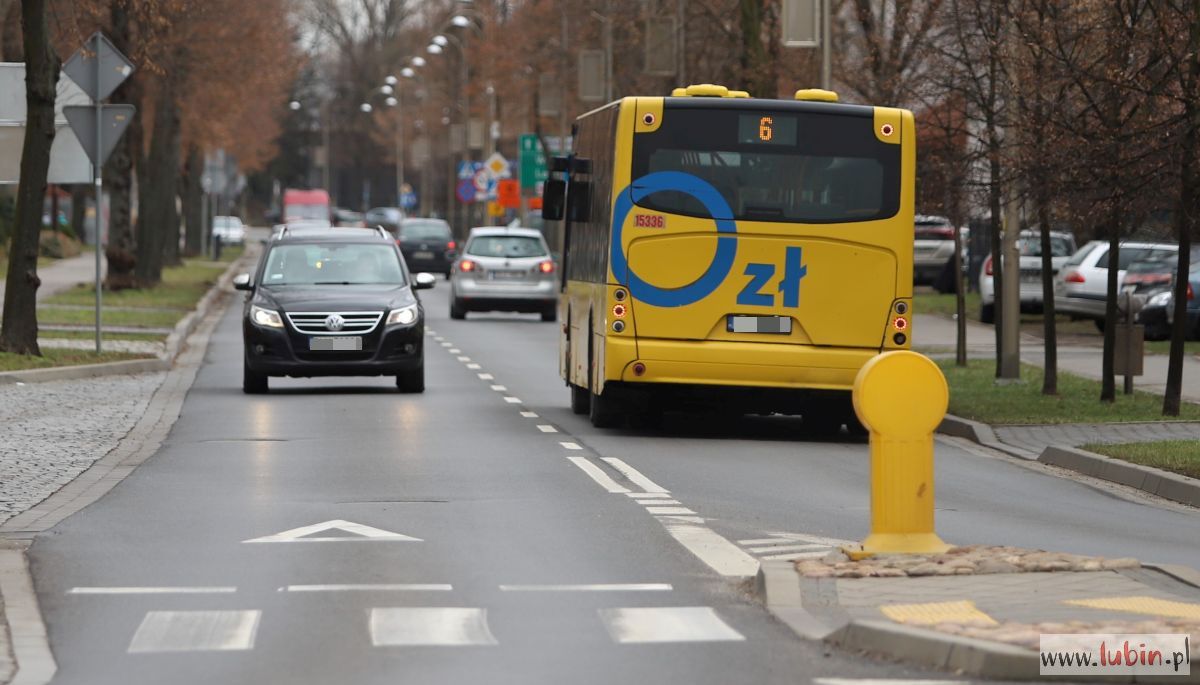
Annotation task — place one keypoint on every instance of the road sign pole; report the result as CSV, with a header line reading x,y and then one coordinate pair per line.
x,y
98,165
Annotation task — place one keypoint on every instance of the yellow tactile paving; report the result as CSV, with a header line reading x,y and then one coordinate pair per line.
x,y
932,613
1152,606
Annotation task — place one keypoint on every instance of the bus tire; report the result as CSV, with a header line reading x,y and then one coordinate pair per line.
x,y
581,400
604,412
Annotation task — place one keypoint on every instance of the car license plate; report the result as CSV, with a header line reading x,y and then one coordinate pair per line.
x,y
335,344
758,324
503,275
422,255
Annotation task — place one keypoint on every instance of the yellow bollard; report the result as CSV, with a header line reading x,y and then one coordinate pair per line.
x,y
901,398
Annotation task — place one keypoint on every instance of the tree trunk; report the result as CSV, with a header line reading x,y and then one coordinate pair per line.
x,y
193,202
995,226
11,47
1108,385
18,331
158,194
79,198
171,187
1049,332
118,171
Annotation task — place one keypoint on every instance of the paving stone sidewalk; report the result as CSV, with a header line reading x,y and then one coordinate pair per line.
x,y
54,431
1033,439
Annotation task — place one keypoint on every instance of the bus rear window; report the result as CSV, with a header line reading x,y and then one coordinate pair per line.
x,y
833,169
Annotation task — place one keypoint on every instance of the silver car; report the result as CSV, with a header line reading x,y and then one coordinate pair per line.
x,y
504,269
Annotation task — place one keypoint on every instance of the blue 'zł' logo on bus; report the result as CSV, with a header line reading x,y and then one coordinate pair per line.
x,y
760,274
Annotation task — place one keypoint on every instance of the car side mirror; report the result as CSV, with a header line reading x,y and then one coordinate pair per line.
x,y
424,281
242,282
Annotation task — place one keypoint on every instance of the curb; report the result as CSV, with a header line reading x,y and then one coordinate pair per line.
x,y
779,586
1164,484
979,433
163,362
32,661
963,655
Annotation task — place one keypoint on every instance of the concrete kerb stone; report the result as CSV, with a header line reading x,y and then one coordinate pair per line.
x,y
1164,484
955,653
33,662
163,362
979,433
779,586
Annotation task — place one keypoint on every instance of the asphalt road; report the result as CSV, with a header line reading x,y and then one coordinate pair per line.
x,y
536,558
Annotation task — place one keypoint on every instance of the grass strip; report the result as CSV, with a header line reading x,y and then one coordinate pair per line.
x,y
1176,456
974,394
56,357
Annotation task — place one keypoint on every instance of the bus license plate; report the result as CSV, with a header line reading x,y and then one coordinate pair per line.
x,y
759,324
335,344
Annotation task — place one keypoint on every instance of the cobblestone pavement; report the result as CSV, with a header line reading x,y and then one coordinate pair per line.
x,y
54,431
1034,439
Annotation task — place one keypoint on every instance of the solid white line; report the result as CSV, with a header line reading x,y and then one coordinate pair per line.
x,y
429,626
641,625
486,377
573,446
787,548
634,475
474,366
719,554
599,587
682,511
195,631
529,414
513,400
499,388
798,555
545,428
150,590
370,587
641,495
597,474
884,681
656,502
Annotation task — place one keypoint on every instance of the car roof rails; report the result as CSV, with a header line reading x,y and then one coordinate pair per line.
x,y
383,232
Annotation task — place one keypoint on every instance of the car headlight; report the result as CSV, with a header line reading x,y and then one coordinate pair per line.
x,y
403,315
1162,299
265,317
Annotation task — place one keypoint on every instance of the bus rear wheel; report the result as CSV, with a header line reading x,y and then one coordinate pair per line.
x,y
581,400
605,412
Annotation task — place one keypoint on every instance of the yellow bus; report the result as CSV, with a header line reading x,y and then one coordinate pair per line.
x,y
721,251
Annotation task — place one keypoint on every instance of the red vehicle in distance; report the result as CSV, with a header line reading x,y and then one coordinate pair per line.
x,y
305,205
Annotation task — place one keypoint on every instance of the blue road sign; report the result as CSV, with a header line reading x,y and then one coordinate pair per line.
x,y
465,190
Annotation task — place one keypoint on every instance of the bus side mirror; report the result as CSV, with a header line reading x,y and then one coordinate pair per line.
x,y
579,200
554,198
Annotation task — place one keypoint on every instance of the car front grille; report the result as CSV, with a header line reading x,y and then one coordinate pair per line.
x,y
355,323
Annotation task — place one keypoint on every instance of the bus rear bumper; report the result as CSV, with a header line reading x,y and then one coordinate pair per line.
x,y
738,364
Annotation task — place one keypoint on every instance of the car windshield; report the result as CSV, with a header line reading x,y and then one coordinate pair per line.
x,y
1154,266
506,246
424,230
1032,246
333,264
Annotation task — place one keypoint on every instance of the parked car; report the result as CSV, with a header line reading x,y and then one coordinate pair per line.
x,y
229,230
1081,287
387,217
505,269
1158,313
1150,275
427,244
1029,246
933,247
333,302
348,218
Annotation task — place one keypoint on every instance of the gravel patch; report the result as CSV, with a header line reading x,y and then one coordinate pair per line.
x,y
54,431
958,561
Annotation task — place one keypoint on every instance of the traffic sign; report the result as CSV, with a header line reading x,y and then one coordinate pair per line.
x,y
113,121
497,165
495,209
98,80
508,192
532,161
467,169
465,190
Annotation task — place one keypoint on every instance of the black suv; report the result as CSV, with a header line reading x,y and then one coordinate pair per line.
x,y
333,302
427,245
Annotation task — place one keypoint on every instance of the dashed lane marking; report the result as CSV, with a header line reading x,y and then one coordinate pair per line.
x,y
642,625
486,377
197,590
454,350
546,428
529,414
447,344
656,502
464,359
474,367
429,626
710,547
499,388
596,587
370,587
682,511
652,495
634,475
195,631
884,681
513,400
573,446
790,546
596,473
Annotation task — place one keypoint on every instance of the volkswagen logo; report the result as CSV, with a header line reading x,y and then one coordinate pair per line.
x,y
334,322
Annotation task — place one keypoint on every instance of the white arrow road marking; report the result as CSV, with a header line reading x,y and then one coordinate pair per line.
x,y
195,631
634,475
641,625
429,626
361,531
597,474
